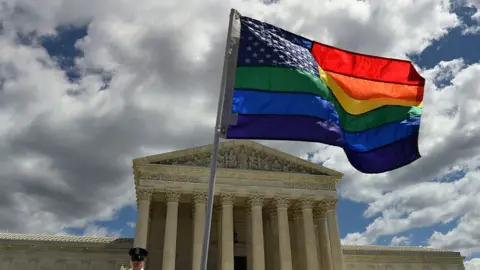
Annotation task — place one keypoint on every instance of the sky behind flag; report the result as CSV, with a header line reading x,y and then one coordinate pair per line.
x,y
64,141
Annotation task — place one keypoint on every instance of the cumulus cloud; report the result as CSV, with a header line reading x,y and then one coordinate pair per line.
x,y
67,147
400,241
421,195
98,231
473,264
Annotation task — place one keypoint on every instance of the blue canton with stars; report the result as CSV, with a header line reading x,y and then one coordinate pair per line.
x,y
262,44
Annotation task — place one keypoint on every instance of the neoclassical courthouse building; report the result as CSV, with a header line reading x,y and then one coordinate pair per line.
x,y
273,211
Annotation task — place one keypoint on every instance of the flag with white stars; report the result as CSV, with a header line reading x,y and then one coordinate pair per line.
x,y
262,44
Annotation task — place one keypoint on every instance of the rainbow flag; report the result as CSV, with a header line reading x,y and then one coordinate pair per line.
x,y
288,87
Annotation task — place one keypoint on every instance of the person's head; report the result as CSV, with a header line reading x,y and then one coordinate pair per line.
x,y
137,257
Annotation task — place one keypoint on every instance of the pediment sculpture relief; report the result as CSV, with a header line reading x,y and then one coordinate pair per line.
x,y
241,157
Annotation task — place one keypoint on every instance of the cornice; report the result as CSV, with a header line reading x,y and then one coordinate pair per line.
x,y
63,238
68,248
394,248
391,259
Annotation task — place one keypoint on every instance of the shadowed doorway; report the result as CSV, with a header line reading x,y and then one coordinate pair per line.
x,y
240,263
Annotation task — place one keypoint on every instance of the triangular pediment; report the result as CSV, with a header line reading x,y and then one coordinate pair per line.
x,y
239,154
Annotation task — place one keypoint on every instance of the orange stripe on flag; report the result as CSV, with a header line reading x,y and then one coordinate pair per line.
x,y
366,66
363,89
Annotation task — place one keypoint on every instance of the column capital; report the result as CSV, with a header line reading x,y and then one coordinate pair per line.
x,y
144,193
172,196
255,200
272,210
227,198
319,213
307,202
329,203
297,211
199,197
217,208
281,201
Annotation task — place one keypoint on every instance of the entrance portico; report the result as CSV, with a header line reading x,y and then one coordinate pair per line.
x,y
275,210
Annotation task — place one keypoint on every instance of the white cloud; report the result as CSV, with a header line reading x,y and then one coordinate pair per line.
x,y
98,231
400,241
472,30
131,224
473,264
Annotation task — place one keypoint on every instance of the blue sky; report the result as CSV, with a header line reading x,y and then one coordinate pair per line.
x,y
452,46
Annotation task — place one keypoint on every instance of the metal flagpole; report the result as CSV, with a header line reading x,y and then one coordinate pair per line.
x,y
216,140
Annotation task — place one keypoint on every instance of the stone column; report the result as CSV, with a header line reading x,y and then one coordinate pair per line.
x,y
218,213
272,212
325,256
248,218
283,233
199,208
170,240
59,265
144,195
227,231
33,264
310,240
293,242
334,233
300,257
255,202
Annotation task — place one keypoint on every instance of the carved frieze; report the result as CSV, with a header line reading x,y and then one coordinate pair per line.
x,y
241,157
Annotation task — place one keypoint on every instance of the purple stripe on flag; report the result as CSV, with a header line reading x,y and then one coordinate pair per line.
x,y
286,127
301,128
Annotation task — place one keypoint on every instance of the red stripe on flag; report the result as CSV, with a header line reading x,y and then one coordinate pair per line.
x,y
365,66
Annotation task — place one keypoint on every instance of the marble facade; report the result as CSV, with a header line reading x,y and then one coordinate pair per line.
x,y
272,211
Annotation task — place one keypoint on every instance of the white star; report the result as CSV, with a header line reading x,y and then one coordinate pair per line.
x,y
247,60
250,38
260,61
262,49
255,43
249,48
268,55
254,55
